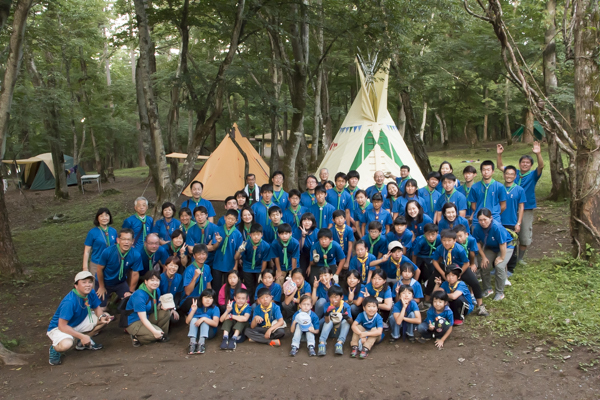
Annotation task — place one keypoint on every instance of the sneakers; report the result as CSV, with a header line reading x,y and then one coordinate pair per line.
x,y
92,346
192,348
393,339
339,349
294,351
364,353
224,344
54,358
420,339
322,349
200,349
311,351
458,322
522,262
487,293
507,283
232,344
386,326
134,341
483,312
275,343
354,352
499,296
425,306
411,339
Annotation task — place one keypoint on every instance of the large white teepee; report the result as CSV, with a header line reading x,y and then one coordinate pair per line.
x,y
369,140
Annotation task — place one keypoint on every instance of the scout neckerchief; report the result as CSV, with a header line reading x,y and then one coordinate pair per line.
x,y
295,214
377,291
397,266
251,195
238,311
341,234
351,191
363,208
430,196
453,288
150,255
254,247
284,246
187,228
467,191
339,195
379,189
121,261
175,250
201,278
228,233
376,214
299,292
510,188
367,320
392,200
521,176
313,198
262,201
246,232
373,243
451,194
266,311
143,221
105,235
196,203
170,282
86,301
486,191
278,199
152,296
465,245
363,266
448,256
274,228
325,251
320,225
202,228
431,246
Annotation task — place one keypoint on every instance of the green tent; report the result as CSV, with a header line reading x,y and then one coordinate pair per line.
x,y
538,132
38,171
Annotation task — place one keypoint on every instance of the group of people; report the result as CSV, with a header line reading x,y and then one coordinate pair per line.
x,y
326,262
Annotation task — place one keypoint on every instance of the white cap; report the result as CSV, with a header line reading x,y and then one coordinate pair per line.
x,y
83,275
395,244
167,301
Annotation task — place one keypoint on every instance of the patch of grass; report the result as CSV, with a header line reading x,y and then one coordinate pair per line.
x,y
137,172
551,298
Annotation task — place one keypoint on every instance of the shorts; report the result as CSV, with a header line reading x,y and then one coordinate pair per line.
x,y
85,326
120,289
526,234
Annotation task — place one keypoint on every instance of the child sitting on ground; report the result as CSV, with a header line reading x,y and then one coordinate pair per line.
x,y
304,322
267,322
438,322
460,299
405,315
235,318
380,290
228,290
407,278
337,321
352,289
367,329
203,321
268,282
290,304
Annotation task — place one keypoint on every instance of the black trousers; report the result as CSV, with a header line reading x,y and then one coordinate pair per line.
x,y
467,277
219,278
426,267
250,280
459,307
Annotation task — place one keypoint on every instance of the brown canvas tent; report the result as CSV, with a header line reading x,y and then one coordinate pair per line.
x,y
223,173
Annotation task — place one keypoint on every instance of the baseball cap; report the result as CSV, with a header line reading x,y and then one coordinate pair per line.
x,y
394,245
83,275
167,301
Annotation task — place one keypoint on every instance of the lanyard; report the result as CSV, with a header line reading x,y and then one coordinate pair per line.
x,y
106,238
86,301
152,296
150,256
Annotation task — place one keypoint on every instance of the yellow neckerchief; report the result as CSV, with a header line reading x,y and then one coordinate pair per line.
x,y
363,266
341,234
397,265
448,257
299,291
341,307
238,311
453,288
377,291
266,312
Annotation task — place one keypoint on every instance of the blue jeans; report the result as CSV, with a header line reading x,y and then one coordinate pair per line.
x,y
341,332
355,310
409,328
310,338
204,330
320,307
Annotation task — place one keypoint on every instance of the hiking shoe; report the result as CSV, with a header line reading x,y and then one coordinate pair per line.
x,y
200,349
134,341
411,339
322,349
54,358
275,343
311,351
487,293
354,351
294,351
192,348
483,312
522,262
92,346
386,326
364,353
163,339
339,349
225,344
507,283
232,344
499,296
393,339
458,322
424,306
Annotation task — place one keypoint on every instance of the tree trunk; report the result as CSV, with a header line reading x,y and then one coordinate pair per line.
x,y
485,117
528,132
401,117
146,141
326,114
423,122
141,154
318,117
508,131
441,123
418,148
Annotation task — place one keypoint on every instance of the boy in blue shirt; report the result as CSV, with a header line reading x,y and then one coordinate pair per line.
x,y
294,212
423,248
254,254
487,193
235,319
79,316
336,321
201,233
140,223
230,204
438,322
367,328
361,206
225,244
469,173
450,195
512,216
429,194
261,209
326,253
377,213
401,234
362,262
459,296
196,278
403,178
376,242
285,251
342,233
270,231
197,201
280,197
338,197
352,177
267,322
322,210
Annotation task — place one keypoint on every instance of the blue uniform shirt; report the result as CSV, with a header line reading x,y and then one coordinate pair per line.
x,y
307,200
456,255
292,250
192,204
164,229
261,253
323,214
99,241
470,245
375,246
371,190
309,240
527,182
72,309
140,301
293,217
430,199
149,261
487,196
406,239
492,237
417,288
270,233
359,214
411,307
224,260
432,315
168,252
362,268
111,261
466,191
385,292
333,254
401,182
322,290
339,201
134,223
445,224
197,235
261,213
201,283
173,285
275,290
382,216
207,312
281,199
400,205
313,319
274,314
455,197
515,196
423,249
346,237
418,229
368,324
462,287
392,270
440,187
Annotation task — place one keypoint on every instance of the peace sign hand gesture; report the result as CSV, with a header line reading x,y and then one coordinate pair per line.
x,y
194,305
218,237
386,256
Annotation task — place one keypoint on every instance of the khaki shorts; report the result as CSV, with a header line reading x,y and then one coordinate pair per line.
x,y
526,233
86,326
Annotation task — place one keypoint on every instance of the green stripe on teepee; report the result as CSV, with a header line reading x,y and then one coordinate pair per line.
x,y
363,152
357,159
369,143
388,149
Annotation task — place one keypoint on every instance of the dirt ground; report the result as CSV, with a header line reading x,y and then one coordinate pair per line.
x,y
474,364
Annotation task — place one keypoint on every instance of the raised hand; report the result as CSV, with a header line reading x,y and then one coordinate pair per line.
x,y
536,148
386,256
499,148
218,237
229,305
194,306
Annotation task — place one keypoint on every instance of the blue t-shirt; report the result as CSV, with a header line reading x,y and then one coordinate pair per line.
x,y
339,201
455,197
371,190
292,250
411,307
302,290
346,237
470,244
111,261
307,200
323,214
492,237
72,309
466,191
313,319
201,283
445,224
406,239
275,290
515,196
198,235
140,301
401,182
169,251
390,204
173,285
432,315
322,290
456,255
418,229
99,241
375,246
527,182
359,214
281,199
495,194
246,309
274,314
261,253
207,312
462,287
309,240
392,270
430,199
293,217
423,249
150,261
362,268
345,309
164,229
440,187
134,223
192,204
400,206
385,292
225,261
368,324
261,213
417,288
333,254
382,216
270,233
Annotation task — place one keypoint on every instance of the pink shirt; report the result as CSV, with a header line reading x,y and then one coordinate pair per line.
x,y
221,298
